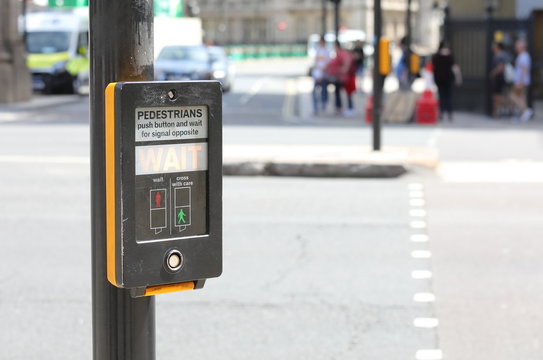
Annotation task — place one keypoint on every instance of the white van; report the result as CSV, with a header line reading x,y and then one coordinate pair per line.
x,y
57,44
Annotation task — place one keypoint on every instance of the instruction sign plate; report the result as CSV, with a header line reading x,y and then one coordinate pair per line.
x,y
164,182
171,123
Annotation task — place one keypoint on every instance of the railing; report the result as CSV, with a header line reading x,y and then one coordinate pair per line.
x,y
263,51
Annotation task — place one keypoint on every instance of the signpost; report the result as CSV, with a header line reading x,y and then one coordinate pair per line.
x,y
149,235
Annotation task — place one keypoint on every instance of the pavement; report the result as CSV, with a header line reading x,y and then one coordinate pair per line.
x,y
336,159
333,159
325,160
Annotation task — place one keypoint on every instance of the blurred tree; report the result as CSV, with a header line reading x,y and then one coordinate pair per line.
x,y
15,83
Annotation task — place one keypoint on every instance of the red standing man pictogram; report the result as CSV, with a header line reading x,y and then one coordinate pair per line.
x,y
158,199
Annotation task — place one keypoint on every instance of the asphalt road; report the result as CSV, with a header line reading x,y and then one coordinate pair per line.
x,y
434,264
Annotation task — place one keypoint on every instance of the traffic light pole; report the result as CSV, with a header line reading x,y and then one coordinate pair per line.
x,y
336,17
377,78
408,38
323,17
121,49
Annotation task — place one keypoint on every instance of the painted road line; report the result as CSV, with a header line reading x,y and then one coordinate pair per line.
x,y
419,238
432,141
30,159
421,274
417,202
290,100
512,172
304,99
253,91
415,187
417,212
10,117
424,297
427,323
418,224
429,354
421,254
416,194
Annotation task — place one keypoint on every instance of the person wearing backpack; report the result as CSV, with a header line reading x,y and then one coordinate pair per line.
x,y
498,80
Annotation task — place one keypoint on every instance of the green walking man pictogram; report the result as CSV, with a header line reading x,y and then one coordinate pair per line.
x,y
181,217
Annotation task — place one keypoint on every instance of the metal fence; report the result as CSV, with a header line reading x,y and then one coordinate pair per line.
x,y
471,41
261,51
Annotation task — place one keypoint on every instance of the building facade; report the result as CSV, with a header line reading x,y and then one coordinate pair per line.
x,y
286,21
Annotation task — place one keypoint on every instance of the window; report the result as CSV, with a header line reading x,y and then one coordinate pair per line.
x,y
47,42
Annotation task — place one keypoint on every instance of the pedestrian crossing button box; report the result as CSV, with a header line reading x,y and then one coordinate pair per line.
x,y
163,153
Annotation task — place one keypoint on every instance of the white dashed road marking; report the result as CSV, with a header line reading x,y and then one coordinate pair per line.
x,y
417,202
420,238
418,222
416,194
424,297
427,323
421,254
421,274
417,212
415,187
429,354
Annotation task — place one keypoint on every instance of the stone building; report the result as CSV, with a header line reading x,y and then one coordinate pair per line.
x,y
14,75
287,21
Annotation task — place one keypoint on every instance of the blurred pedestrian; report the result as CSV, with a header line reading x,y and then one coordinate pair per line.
x,y
318,73
522,80
446,75
401,70
338,74
359,58
350,88
500,61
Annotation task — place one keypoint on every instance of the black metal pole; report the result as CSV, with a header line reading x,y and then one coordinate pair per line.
x,y
323,17
408,37
23,10
121,49
377,78
447,25
336,17
488,65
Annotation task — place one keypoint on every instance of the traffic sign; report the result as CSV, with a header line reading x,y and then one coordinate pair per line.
x,y
163,184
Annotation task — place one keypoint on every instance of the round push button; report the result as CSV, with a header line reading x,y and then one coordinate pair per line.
x,y
174,260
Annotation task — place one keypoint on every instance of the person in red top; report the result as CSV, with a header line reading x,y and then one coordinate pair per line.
x,y
338,70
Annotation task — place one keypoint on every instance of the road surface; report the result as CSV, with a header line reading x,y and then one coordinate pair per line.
x,y
440,263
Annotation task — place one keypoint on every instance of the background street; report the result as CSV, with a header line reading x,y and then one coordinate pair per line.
x,y
438,263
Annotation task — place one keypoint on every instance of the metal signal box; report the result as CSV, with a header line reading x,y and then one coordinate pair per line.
x,y
163,154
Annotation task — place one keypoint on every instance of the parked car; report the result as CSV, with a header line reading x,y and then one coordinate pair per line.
x,y
183,63
222,70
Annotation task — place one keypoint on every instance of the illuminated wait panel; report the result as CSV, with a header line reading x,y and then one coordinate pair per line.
x,y
160,159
